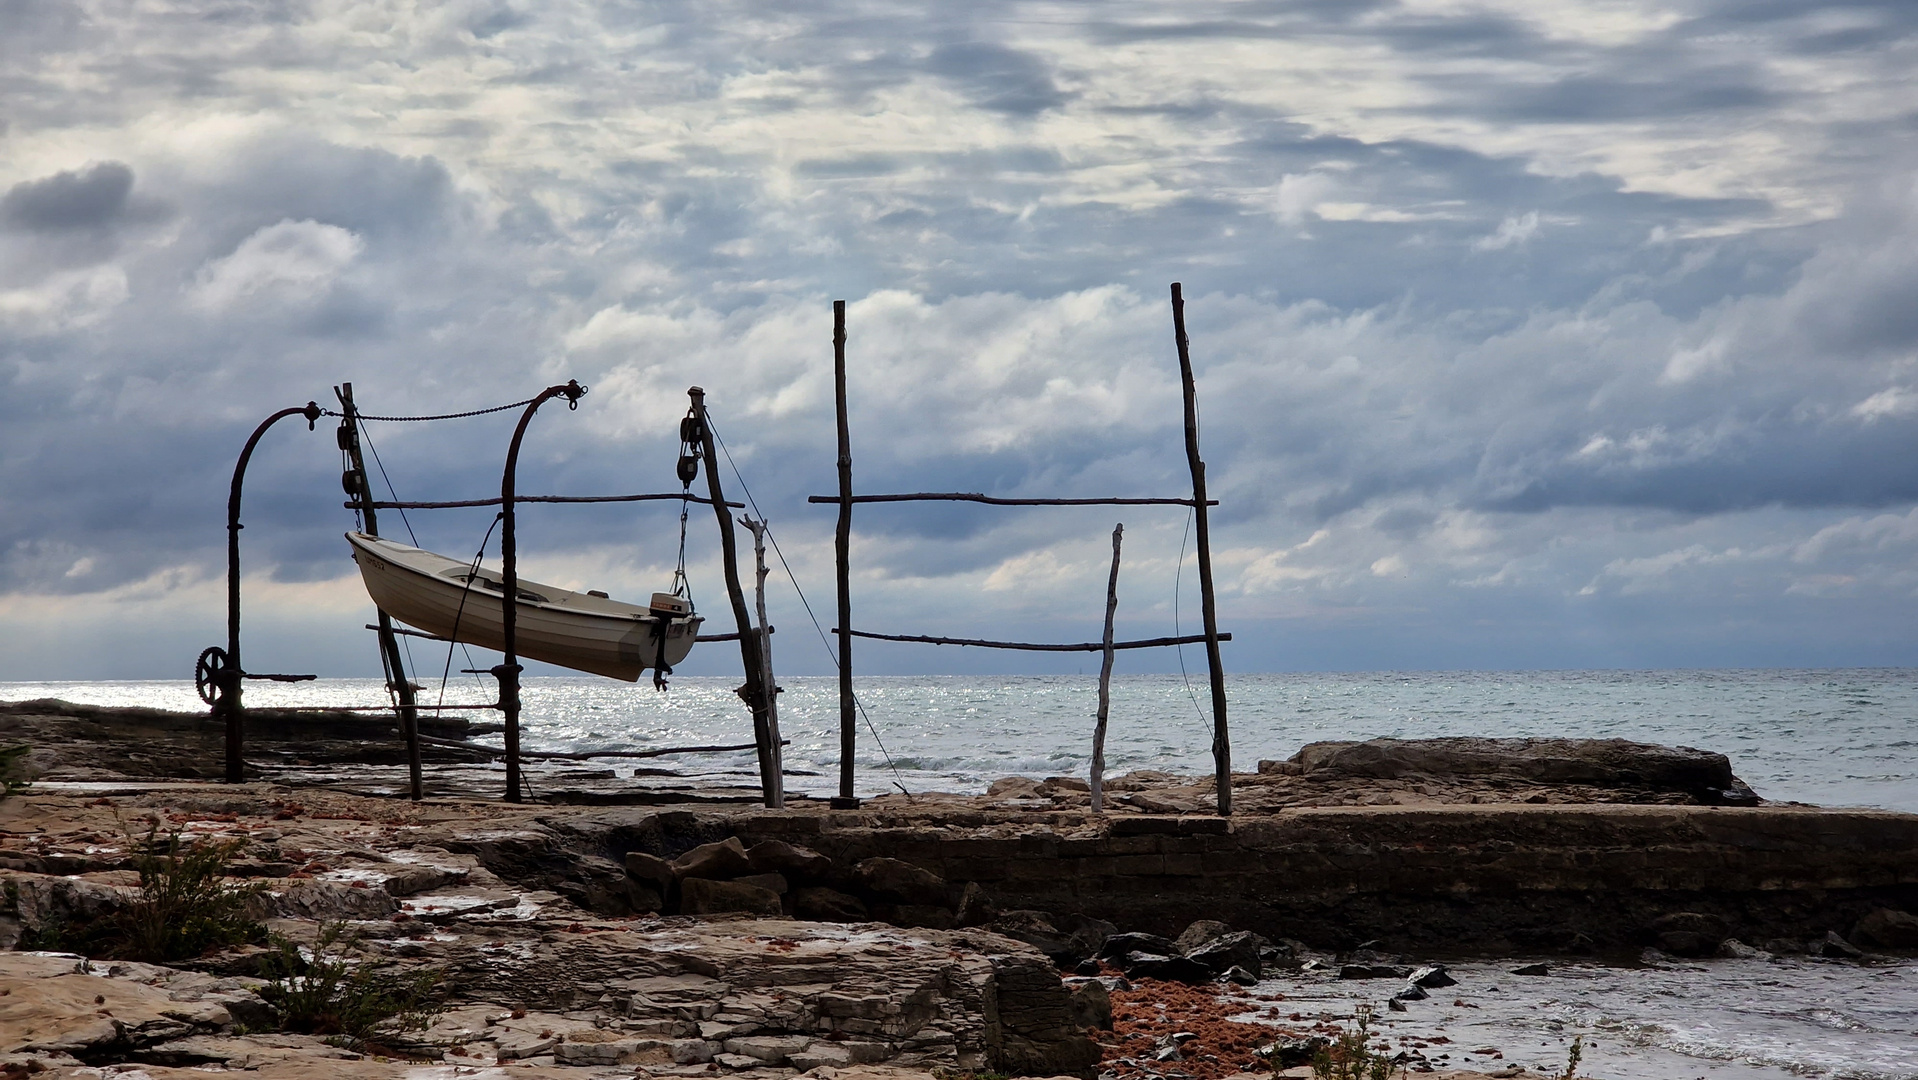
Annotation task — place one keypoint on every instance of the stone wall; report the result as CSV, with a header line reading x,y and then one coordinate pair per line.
x,y
1474,877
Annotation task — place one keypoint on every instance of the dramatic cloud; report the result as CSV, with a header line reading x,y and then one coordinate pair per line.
x,y
1564,333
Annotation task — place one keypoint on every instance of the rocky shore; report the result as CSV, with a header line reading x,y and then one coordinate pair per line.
x,y
1007,933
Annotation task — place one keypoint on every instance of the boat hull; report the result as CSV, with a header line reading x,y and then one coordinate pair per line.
x,y
574,630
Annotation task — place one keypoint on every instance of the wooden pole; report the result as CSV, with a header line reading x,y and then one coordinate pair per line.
x,y
1221,741
842,550
509,668
754,692
1105,680
396,679
778,800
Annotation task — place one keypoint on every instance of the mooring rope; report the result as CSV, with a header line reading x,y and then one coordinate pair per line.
x,y
817,627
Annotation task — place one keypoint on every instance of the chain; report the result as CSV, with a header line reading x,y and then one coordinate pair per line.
x,y
442,416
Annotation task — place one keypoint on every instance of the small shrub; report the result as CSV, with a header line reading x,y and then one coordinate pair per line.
x,y
331,992
185,908
1573,1055
1349,1057
13,770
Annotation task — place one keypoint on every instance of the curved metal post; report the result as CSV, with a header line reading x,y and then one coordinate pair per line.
x,y
233,674
508,670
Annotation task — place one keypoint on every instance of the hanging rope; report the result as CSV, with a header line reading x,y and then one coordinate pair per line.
x,y
441,416
458,613
1178,575
819,629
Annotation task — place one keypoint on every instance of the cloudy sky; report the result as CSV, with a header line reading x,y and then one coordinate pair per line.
x,y
1529,334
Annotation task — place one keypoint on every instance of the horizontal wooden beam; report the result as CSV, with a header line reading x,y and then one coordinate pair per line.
x,y
436,637
662,752
1026,646
494,501
994,500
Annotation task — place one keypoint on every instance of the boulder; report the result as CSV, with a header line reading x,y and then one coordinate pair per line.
x,y
417,878
1199,933
1610,763
1433,977
899,880
779,857
1294,1052
1014,787
721,861
1837,948
705,896
1066,939
46,902
1120,944
820,904
1144,965
1090,1005
773,883
1239,949
650,869
1036,1034
975,906
1533,969
1689,933
324,901
1886,928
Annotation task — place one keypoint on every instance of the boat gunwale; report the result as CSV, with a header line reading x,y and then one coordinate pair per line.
x,y
625,619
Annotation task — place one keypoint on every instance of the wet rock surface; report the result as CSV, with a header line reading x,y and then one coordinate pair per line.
x,y
934,932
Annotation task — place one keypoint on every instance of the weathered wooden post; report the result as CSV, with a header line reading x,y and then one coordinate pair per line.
x,y
842,553
1221,742
1105,680
778,799
362,490
509,668
755,691
225,672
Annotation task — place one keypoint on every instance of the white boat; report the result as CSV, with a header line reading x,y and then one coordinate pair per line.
x,y
584,631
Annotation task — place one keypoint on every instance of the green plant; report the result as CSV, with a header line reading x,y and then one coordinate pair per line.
x,y
1350,1057
1573,1055
13,767
328,990
185,908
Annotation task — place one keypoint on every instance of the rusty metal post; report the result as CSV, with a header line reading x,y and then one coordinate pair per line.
x,y
509,667
231,676
389,643
1221,741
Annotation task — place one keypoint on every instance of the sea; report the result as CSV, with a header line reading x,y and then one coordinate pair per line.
x,y
1828,737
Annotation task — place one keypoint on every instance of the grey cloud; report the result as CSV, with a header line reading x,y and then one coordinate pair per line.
x,y
998,78
1509,416
88,198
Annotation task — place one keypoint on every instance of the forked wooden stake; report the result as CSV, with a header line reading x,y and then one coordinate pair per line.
x,y
1105,680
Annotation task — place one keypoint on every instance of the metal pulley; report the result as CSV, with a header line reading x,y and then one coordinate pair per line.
x,y
691,431
688,468
351,481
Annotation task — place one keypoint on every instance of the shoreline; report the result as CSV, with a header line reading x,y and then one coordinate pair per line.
x,y
1369,857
